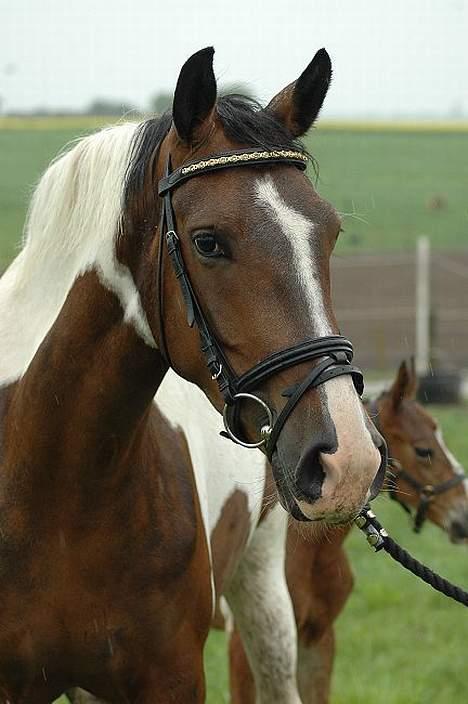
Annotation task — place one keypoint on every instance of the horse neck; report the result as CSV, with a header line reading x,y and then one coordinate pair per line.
x,y
81,406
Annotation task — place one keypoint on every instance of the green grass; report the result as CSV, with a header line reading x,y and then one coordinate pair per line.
x,y
24,156
383,180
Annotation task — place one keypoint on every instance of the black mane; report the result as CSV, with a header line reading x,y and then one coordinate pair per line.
x,y
243,120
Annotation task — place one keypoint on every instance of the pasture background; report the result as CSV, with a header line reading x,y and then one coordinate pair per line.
x,y
398,642
382,180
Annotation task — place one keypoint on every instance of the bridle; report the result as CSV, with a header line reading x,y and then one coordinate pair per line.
x,y
426,493
334,351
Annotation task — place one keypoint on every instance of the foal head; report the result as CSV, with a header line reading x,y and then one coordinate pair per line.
x,y
256,242
416,440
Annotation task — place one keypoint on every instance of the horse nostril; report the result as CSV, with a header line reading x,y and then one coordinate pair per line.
x,y
459,529
310,473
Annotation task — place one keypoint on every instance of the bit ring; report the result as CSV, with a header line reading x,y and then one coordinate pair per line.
x,y
266,429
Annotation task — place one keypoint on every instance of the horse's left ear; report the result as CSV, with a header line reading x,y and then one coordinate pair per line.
x,y
195,96
298,105
414,377
405,384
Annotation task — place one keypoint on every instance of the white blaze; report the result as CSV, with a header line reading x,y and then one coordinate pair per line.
x,y
297,230
356,452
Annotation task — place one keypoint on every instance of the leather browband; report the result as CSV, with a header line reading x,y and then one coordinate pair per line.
x,y
240,157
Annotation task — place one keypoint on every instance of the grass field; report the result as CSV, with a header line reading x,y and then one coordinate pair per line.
x,y
398,642
383,181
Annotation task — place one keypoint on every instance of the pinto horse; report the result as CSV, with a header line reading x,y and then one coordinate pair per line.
x,y
319,575
195,241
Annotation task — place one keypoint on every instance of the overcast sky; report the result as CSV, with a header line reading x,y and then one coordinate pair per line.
x,y
399,57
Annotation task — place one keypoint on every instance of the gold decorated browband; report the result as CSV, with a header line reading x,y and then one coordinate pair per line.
x,y
245,156
236,158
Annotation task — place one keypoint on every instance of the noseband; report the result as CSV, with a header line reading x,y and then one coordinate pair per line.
x,y
334,351
425,492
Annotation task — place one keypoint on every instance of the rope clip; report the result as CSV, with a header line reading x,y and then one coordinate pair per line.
x,y
374,536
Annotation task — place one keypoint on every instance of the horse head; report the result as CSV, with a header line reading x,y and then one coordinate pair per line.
x,y
253,247
427,477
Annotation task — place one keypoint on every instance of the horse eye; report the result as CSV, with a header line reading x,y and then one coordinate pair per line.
x,y
424,453
207,245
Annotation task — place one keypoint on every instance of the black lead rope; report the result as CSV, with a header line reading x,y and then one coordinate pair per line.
x,y
379,539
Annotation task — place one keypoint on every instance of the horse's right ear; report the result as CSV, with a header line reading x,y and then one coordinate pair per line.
x,y
195,96
298,105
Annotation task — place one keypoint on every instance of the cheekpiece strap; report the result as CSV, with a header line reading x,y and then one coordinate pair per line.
x,y
214,357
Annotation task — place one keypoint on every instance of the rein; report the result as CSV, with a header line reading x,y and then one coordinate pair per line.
x,y
426,492
379,539
334,351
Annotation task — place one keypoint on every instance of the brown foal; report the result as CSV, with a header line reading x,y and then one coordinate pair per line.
x,y
319,575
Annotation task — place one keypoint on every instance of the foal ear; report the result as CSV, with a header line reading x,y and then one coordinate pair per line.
x,y
414,378
405,384
195,96
298,105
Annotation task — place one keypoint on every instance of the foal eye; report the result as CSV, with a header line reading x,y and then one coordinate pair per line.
x,y
423,453
207,245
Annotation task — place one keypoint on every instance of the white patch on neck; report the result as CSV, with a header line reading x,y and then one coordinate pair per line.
x,y
71,229
297,229
220,466
455,464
